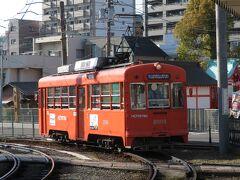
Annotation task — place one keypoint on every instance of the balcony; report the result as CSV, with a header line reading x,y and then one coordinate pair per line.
x,y
79,26
156,32
79,13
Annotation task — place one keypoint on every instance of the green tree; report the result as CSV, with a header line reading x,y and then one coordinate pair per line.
x,y
196,31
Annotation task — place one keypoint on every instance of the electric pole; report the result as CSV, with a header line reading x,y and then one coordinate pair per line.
x,y
145,18
108,46
63,33
221,37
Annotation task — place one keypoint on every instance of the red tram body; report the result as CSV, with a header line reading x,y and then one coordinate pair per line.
x,y
116,106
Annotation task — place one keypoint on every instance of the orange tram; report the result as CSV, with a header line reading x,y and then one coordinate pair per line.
x,y
124,106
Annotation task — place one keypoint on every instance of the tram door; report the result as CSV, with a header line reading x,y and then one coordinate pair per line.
x,y
81,105
42,113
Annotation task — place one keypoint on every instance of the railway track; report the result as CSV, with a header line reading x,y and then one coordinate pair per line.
x,y
152,167
190,170
23,169
13,168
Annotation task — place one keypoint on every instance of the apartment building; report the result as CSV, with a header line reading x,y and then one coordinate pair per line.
x,y
88,17
161,16
19,36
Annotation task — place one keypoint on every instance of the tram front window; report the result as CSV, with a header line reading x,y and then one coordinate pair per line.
x,y
177,95
158,95
138,96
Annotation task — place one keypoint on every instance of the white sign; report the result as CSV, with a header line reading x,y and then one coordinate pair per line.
x,y
52,119
94,121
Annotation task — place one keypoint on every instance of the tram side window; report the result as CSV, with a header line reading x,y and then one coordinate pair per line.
x,y
138,96
96,96
105,96
177,95
50,97
57,97
72,97
116,96
81,97
64,97
158,95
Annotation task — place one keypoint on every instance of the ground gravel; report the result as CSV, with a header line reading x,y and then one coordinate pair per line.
x,y
90,173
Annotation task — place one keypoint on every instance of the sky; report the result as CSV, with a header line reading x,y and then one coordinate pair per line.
x,y
11,9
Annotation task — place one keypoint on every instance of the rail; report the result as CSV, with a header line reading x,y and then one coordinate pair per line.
x,y
191,171
22,147
15,167
152,168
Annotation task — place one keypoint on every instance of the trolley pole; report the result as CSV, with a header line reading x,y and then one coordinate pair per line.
x,y
221,33
63,32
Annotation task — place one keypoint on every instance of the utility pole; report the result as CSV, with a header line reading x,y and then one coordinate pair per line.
x,y
221,37
1,82
108,46
1,76
63,32
145,18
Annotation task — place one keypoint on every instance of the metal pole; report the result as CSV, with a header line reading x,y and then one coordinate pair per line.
x,y
33,125
145,17
221,37
108,29
1,83
1,76
63,32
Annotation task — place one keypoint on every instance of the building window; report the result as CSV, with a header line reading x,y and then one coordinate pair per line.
x,y
153,27
178,12
155,15
13,28
13,41
13,53
123,10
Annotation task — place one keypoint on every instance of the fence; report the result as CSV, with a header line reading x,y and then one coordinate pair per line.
x,y
201,120
25,126
27,122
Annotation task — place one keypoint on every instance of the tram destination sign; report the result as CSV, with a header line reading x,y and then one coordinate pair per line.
x,y
162,76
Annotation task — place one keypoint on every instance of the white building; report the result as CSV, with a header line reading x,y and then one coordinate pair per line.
x,y
88,17
162,16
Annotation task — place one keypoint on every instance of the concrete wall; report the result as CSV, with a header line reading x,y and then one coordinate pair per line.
x,y
29,68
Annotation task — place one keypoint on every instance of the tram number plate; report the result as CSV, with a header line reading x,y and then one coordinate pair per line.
x,y
159,121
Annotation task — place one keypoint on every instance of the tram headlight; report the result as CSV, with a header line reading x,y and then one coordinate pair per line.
x,y
157,66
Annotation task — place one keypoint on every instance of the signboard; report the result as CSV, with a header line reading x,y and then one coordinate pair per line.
x,y
52,119
162,76
93,121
